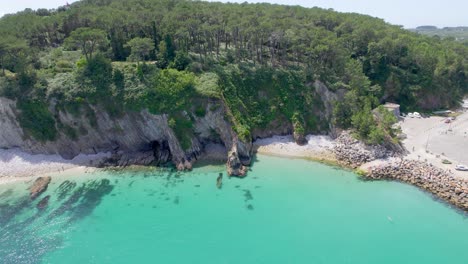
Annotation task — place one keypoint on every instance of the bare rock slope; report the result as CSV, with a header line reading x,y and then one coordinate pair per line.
x,y
133,138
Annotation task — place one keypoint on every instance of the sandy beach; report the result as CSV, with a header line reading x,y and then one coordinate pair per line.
x,y
317,147
427,139
16,165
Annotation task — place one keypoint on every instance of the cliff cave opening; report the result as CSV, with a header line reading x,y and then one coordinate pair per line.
x,y
161,151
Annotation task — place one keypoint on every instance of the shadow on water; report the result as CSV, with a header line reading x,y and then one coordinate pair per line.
x,y
247,198
25,226
84,200
64,189
247,195
28,229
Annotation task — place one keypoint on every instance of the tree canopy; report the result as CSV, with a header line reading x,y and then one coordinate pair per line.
x,y
141,48
265,58
87,39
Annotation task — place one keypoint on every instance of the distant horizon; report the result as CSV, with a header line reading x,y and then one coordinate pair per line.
x,y
462,26
441,27
409,14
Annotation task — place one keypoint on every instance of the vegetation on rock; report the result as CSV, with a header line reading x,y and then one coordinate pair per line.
x,y
259,60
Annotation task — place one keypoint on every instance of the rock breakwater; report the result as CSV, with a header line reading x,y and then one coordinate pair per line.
x,y
353,153
425,176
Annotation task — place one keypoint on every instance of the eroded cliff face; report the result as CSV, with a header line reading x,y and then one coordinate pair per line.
x,y
329,98
144,138
133,138
11,134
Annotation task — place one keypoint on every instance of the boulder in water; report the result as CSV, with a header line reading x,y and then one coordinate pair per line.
x,y
39,186
234,166
219,181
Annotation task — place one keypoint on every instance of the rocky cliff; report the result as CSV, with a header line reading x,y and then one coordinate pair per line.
x,y
133,138
143,138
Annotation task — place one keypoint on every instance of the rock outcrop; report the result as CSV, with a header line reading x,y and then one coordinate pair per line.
x,y
235,166
11,134
329,98
299,138
40,185
139,138
353,153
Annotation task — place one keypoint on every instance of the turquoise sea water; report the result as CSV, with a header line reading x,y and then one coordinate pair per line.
x,y
285,211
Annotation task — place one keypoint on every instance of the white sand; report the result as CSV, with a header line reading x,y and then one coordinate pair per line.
x,y
317,147
428,139
16,165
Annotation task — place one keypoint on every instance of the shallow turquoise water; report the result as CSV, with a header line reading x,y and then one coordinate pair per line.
x,y
285,211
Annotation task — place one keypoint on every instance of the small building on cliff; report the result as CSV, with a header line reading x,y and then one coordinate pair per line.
x,y
393,108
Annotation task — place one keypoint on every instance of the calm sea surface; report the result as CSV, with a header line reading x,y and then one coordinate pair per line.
x,y
285,211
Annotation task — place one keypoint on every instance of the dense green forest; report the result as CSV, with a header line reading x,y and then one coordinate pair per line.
x,y
259,59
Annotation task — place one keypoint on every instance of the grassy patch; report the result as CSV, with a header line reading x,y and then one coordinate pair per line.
x,y
207,85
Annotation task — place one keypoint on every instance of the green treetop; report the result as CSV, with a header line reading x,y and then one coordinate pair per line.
x,y
87,39
9,48
141,48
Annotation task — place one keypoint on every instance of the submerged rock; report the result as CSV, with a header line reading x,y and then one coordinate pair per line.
x,y
43,203
219,181
39,186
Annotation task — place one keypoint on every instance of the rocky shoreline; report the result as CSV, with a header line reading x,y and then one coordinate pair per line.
x,y
425,176
351,152
373,162
378,163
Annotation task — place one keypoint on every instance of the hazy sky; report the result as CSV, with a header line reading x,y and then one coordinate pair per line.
x,y
12,6
409,13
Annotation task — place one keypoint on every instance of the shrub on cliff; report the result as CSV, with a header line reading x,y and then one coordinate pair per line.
x,y
182,126
258,95
97,73
171,91
36,120
207,85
